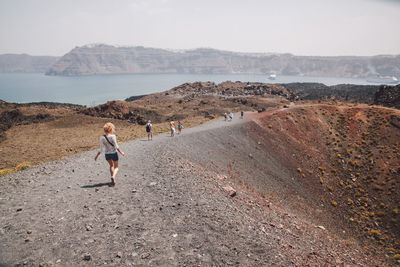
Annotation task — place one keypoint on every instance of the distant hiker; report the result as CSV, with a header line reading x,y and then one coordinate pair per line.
x,y
180,127
241,114
225,116
172,125
108,144
149,130
230,116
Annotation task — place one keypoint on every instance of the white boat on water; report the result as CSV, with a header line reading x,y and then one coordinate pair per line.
x,y
383,80
272,76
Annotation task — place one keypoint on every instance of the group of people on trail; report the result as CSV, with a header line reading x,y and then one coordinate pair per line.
x,y
109,145
172,128
230,117
149,129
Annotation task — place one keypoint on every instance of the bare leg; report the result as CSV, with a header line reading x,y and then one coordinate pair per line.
x,y
112,171
111,166
115,169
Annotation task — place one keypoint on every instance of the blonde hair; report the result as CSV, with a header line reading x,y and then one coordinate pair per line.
x,y
109,127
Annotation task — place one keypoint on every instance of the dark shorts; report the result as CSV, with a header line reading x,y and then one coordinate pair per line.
x,y
113,156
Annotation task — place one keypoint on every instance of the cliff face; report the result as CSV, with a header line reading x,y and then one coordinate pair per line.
x,y
105,59
25,63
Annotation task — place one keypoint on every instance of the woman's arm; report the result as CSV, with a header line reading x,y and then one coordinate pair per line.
x,y
100,149
120,151
117,146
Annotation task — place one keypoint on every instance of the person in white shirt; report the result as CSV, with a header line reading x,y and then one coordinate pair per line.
x,y
108,144
172,125
149,130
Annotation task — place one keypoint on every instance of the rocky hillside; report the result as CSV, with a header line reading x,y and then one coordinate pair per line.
x,y
12,114
348,156
106,59
289,91
188,100
388,96
211,100
340,92
25,63
229,89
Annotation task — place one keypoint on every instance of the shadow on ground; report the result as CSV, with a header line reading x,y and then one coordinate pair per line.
x,y
96,185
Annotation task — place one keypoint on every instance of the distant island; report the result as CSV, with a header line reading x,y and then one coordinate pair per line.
x,y
107,59
26,63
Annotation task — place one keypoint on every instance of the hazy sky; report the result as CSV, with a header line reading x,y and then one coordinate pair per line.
x,y
301,27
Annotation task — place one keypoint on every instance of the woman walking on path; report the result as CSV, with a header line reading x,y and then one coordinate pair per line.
x,y
180,127
108,144
172,125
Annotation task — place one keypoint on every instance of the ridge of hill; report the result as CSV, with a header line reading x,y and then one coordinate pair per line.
x,y
107,59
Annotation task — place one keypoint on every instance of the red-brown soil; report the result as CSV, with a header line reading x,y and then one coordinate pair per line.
x,y
348,157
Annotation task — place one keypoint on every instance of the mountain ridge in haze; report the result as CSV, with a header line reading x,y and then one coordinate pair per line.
x,y
107,59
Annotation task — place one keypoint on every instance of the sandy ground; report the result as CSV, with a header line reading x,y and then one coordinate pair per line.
x,y
168,208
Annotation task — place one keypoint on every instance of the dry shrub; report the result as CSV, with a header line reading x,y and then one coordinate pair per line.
x,y
19,167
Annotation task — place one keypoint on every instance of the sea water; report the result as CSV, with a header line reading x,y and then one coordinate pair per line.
x,y
98,89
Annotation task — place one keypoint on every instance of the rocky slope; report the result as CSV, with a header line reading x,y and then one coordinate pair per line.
x,y
11,114
106,59
340,92
349,157
290,91
388,96
25,63
204,99
212,100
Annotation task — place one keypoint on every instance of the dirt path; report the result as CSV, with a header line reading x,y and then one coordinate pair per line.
x,y
167,209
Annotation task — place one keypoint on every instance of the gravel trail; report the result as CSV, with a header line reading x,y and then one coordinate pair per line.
x,y
168,208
